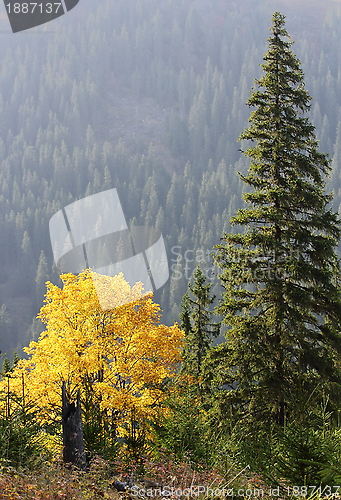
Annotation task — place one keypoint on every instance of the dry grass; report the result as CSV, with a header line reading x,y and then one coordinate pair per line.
x,y
54,481
164,478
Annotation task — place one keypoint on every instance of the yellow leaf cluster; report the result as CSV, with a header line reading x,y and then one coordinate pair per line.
x,y
123,353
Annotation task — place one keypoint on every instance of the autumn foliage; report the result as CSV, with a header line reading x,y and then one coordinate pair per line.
x,y
118,358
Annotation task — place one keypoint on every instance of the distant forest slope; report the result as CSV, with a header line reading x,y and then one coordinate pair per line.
x,y
147,97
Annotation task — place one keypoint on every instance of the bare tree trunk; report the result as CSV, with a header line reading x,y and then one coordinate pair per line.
x,y
73,440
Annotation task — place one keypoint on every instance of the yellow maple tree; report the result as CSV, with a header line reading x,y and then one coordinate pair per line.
x,y
119,356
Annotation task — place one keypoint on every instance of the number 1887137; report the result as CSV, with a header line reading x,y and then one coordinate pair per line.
x,y
304,491
32,7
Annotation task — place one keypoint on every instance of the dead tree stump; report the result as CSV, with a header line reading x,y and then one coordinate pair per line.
x,y
73,440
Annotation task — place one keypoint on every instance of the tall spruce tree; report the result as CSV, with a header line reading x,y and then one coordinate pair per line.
x,y
281,302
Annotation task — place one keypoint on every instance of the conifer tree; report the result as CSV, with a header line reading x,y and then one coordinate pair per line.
x,y
184,429
281,302
196,323
41,278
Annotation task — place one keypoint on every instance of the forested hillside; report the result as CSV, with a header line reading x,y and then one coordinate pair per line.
x,y
147,97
